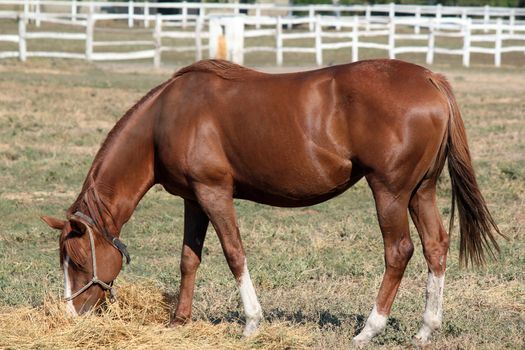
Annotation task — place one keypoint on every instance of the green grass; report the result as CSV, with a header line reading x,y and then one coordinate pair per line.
x,y
320,266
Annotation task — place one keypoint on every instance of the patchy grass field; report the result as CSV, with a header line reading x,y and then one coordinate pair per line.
x,y
316,270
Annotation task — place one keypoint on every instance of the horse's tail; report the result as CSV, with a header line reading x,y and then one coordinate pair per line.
x,y
475,221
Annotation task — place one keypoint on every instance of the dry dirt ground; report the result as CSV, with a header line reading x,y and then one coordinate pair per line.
x,y
316,269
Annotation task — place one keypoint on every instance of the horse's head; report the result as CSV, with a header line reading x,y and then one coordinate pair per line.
x,y
89,260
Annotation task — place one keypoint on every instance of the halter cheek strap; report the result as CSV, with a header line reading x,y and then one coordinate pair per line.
x,y
117,243
95,279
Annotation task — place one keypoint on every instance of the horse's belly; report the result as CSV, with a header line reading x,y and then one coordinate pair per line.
x,y
299,184
297,198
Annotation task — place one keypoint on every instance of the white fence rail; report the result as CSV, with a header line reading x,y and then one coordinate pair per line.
x,y
144,10
356,32
326,27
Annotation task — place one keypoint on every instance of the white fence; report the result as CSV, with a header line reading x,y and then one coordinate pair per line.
x,y
142,11
380,27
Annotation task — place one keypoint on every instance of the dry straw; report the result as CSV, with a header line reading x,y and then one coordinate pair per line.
x,y
136,321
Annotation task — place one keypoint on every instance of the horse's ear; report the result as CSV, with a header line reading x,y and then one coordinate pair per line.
x,y
57,224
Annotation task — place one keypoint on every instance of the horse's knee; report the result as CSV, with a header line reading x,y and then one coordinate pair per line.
x,y
406,248
189,261
399,255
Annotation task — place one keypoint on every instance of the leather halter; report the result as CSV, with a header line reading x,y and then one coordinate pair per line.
x,y
115,241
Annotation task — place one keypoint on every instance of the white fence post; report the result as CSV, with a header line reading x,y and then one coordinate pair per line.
x,y
198,38
22,47
258,17
234,33
497,45
368,15
37,13
417,27
279,42
466,41
157,36
26,10
439,10
512,21
431,42
184,12
392,11
318,41
217,42
311,18
131,13
392,39
146,14
338,15
90,24
463,15
486,18
74,10
355,39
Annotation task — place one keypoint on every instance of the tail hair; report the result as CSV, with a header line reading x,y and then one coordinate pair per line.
x,y
476,224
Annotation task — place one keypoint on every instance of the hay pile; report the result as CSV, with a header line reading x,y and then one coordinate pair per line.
x,y
137,320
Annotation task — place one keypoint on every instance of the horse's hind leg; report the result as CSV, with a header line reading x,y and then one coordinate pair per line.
x,y
217,202
425,215
392,212
195,226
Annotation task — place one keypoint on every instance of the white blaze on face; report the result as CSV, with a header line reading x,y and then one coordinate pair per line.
x,y
252,308
434,306
374,325
67,288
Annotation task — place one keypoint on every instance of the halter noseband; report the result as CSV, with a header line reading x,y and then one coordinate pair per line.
x,y
115,241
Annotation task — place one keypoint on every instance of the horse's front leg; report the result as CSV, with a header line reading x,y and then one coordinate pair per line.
x,y
393,219
195,226
217,202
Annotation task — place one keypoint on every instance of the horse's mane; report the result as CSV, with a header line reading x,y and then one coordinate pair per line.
x,y
110,139
223,69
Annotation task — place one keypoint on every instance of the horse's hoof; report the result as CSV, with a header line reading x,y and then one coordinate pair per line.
x,y
251,328
420,341
422,337
360,342
179,321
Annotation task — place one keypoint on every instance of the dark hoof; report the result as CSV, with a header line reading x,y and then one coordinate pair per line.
x,y
179,321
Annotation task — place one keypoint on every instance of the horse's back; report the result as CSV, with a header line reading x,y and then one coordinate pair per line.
x,y
292,139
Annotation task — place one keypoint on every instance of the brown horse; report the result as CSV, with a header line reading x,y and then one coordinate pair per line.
x,y
217,131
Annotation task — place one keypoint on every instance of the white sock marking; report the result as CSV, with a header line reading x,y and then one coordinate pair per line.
x,y
433,308
374,325
67,288
252,308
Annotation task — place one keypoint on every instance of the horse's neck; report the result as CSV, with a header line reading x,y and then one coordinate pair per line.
x,y
124,172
